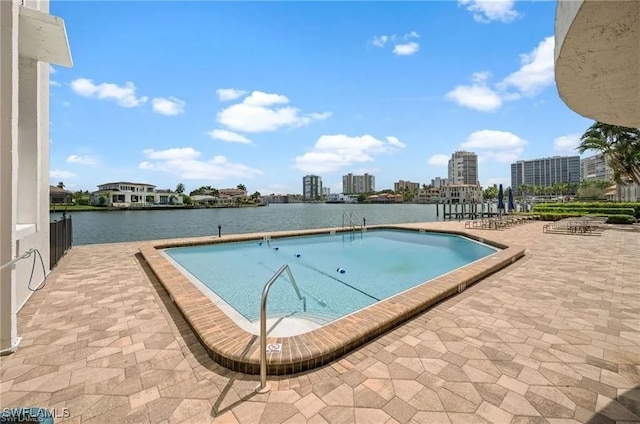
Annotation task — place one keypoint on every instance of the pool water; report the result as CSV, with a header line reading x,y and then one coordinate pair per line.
x,y
337,273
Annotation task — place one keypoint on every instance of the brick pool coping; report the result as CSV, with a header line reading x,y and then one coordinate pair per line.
x,y
234,348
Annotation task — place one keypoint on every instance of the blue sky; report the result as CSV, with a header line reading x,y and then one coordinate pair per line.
x,y
222,93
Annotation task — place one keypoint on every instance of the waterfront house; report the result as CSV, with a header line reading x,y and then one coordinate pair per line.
x,y
427,195
132,195
32,39
462,193
58,195
385,198
212,201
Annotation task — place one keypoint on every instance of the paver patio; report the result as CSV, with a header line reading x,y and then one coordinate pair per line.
x,y
553,338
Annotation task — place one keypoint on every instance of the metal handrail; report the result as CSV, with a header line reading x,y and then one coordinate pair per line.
x,y
264,387
350,216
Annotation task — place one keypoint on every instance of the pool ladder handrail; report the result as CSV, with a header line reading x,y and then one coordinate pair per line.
x,y
353,219
264,387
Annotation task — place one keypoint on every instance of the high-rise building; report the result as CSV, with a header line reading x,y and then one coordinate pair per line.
x,y
545,172
438,182
463,168
358,184
326,191
406,186
311,187
595,168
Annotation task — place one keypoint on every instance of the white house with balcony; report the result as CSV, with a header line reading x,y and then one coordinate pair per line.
x,y
132,195
30,40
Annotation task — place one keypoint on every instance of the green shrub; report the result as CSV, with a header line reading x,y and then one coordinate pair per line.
x,y
611,219
621,219
587,211
83,201
594,205
553,216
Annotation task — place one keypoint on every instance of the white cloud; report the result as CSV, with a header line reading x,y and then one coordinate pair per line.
x,y
380,41
59,173
567,143
261,112
124,96
438,160
226,94
184,162
486,11
176,153
535,74
536,71
228,136
494,145
54,83
260,98
333,152
52,70
505,181
402,44
394,141
406,49
169,106
82,160
477,96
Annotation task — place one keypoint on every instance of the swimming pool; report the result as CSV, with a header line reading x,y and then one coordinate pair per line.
x,y
338,274
228,341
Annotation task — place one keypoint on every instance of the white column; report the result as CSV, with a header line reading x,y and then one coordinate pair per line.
x,y
8,169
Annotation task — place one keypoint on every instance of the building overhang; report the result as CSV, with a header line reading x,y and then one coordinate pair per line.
x,y
43,37
597,59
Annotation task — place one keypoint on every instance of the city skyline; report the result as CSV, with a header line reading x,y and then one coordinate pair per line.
x,y
243,100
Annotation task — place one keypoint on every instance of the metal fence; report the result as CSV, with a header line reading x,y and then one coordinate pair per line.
x,y
60,239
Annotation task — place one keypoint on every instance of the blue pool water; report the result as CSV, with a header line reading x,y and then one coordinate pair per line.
x,y
377,264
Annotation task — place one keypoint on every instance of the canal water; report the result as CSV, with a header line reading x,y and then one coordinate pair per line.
x,y
118,226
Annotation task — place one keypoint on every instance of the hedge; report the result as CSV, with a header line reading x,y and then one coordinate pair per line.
x,y
611,219
594,205
621,219
587,211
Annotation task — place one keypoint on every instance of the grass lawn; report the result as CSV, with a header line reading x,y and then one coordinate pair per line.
x,y
76,208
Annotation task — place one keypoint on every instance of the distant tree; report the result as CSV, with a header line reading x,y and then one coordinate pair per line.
x,y
242,187
490,193
620,145
78,195
101,201
61,185
593,190
204,190
180,188
255,196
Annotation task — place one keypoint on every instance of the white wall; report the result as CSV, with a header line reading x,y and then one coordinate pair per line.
x,y
24,169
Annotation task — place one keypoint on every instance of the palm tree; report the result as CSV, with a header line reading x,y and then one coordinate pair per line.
x,y
241,187
621,145
61,185
180,188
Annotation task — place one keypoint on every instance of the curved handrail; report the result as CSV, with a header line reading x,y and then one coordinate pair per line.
x,y
264,387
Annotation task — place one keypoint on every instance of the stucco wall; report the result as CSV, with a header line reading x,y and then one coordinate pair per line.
x,y
24,169
597,63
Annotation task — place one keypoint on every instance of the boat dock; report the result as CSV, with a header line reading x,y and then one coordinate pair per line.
x,y
460,211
